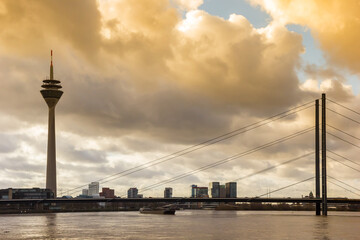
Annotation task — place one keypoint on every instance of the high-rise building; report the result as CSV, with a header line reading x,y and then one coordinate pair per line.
x,y
132,193
168,192
85,192
231,190
193,190
94,189
199,192
222,191
107,193
215,189
51,94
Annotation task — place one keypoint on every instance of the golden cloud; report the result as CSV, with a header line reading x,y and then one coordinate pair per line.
x,y
226,61
28,26
189,4
231,61
149,61
334,23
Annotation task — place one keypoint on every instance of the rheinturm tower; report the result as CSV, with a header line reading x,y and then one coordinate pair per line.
x,y
51,93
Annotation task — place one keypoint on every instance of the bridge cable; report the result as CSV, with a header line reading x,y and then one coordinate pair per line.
x,y
272,167
343,132
229,159
344,183
344,116
226,159
343,157
344,164
343,188
282,188
145,166
343,106
343,140
208,142
200,145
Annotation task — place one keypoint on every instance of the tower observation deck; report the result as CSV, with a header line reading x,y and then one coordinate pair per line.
x,y
51,93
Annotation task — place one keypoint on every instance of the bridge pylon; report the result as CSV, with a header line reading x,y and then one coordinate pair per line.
x,y
323,154
317,157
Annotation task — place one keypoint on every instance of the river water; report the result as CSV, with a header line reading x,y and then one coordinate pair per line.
x,y
188,224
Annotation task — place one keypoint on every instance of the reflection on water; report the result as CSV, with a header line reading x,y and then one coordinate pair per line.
x,y
192,224
322,228
51,225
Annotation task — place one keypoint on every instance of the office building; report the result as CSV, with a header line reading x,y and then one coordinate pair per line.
x,y
85,192
26,193
168,192
51,95
193,190
222,191
93,189
215,189
202,192
132,193
199,192
107,193
231,190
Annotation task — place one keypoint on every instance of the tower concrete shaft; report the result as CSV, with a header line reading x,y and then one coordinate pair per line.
x,y
51,153
51,95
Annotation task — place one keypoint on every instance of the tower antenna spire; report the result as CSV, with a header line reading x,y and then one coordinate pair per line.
x,y
51,67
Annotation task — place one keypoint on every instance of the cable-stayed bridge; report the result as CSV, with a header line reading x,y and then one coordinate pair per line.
x,y
335,133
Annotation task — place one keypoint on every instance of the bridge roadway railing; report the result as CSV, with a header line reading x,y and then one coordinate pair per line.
x,y
180,200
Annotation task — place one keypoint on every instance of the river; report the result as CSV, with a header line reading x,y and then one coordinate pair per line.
x,y
188,224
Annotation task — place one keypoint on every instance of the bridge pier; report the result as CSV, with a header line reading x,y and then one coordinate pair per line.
x,y
317,157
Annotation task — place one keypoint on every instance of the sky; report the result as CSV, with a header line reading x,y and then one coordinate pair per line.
x,y
143,79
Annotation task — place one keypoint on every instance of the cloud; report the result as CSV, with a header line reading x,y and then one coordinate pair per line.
x,y
233,63
333,23
189,4
141,82
8,143
27,27
202,75
329,81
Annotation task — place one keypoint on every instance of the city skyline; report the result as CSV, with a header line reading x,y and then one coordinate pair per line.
x,y
147,80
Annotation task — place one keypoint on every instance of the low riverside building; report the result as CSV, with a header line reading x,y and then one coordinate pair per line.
x,y
25,193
